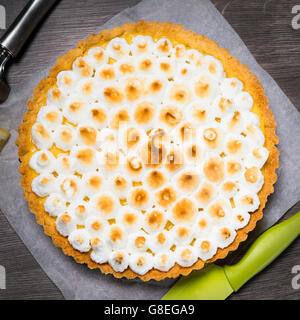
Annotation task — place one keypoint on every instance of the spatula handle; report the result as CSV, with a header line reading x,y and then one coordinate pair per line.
x,y
19,31
263,251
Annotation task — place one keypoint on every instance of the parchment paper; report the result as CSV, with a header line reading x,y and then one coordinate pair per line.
x,y
77,281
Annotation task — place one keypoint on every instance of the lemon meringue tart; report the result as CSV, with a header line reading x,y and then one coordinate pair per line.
x,y
148,151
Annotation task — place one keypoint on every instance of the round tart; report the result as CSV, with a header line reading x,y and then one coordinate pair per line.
x,y
148,151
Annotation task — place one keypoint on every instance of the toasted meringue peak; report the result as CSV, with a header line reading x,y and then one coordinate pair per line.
x,y
65,224
183,235
82,67
85,158
139,197
219,209
180,94
64,164
87,135
138,242
116,237
252,175
164,261
223,105
160,242
186,132
110,160
214,67
154,220
174,160
225,236
130,219
98,115
235,145
230,87
151,155
43,185
120,183
55,97
257,157
41,136
205,193
50,116
170,115
195,57
106,204
253,178
164,47
93,183
134,165
80,210
95,225
186,256
161,238
146,64
159,137
206,248
106,73
199,113
142,45
183,211
69,186
156,179
55,205
166,196
184,72
141,263
144,113
229,188
193,153
97,56
212,138
88,89
187,180
118,48
119,260
255,134
240,218
203,87
66,81
248,201
243,100
75,109
155,86
203,224
113,95
233,167
179,51
64,137
213,169
235,122
79,239
133,88
42,161
126,67
120,118
132,137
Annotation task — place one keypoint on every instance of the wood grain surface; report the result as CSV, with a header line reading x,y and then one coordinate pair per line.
x,y
265,27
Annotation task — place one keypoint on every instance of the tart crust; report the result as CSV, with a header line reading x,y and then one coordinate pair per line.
x,y
177,35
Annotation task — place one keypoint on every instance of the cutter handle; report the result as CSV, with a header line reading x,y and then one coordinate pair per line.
x,y
263,251
20,30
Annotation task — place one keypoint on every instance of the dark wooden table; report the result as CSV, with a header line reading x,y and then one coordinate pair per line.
x,y
265,27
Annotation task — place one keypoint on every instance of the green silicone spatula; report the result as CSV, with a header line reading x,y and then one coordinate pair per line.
x,y
217,283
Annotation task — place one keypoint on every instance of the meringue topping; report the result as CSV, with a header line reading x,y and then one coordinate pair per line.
x,y
147,155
